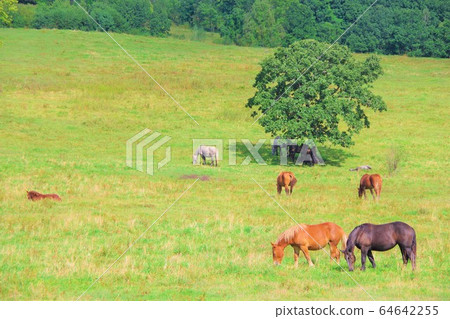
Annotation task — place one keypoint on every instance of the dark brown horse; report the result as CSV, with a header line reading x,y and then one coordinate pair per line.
x,y
370,237
286,180
34,196
370,182
309,237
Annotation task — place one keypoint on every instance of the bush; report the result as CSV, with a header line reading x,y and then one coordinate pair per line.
x,y
42,17
159,21
108,17
136,13
393,159
24,16
61,15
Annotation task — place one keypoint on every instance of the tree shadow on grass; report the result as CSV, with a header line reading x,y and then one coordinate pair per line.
x,y
331,156
334,156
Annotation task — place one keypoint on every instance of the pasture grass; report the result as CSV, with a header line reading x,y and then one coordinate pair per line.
x,y
70,100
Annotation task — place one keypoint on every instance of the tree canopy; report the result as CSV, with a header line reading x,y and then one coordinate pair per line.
x,y
300,97
6,8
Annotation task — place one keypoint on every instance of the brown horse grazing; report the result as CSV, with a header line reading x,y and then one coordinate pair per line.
x,y
309,237
34,196
286,180
370,237
370,182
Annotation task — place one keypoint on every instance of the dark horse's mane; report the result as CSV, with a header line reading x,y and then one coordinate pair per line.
x,y
352,238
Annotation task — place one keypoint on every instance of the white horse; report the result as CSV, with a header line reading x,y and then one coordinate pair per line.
x,y
204,152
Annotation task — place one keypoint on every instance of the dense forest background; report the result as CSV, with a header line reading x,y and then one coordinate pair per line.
x,y
413,27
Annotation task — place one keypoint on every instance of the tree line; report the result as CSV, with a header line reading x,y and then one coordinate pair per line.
x,y
128,16
413,27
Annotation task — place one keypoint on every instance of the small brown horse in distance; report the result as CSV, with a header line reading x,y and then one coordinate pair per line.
x,y
34,196
309,237
286,180
370,182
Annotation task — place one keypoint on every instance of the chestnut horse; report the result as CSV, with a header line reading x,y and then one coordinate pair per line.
x,y
33,195
286,180
370,237
309,237
370,182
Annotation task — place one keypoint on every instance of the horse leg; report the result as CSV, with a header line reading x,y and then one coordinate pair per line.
x,y
306,253
364,251
334,252
371,259
404,257
338,252
286,188
290,190
371,192
296,253
410,255
364,192
413,259
278,189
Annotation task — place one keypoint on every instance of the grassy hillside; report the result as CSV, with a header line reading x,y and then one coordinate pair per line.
x,y
70,100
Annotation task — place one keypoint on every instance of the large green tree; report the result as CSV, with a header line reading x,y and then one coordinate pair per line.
x,y
301,96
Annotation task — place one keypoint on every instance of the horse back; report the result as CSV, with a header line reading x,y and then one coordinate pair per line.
x,y
322,234
404,232
286,178
335,232
386,236
210,149
375,180
54,197
365,181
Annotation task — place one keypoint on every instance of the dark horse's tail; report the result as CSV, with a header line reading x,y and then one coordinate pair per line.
x,y
414,249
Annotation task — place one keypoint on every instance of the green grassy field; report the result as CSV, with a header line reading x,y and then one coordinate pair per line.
x,y
70,100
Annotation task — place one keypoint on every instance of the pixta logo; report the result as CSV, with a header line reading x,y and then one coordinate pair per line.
x,y
143,140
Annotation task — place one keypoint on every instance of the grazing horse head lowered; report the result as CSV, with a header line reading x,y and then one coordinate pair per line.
x,y
370,237
309,237
286,180
204,152
371,182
